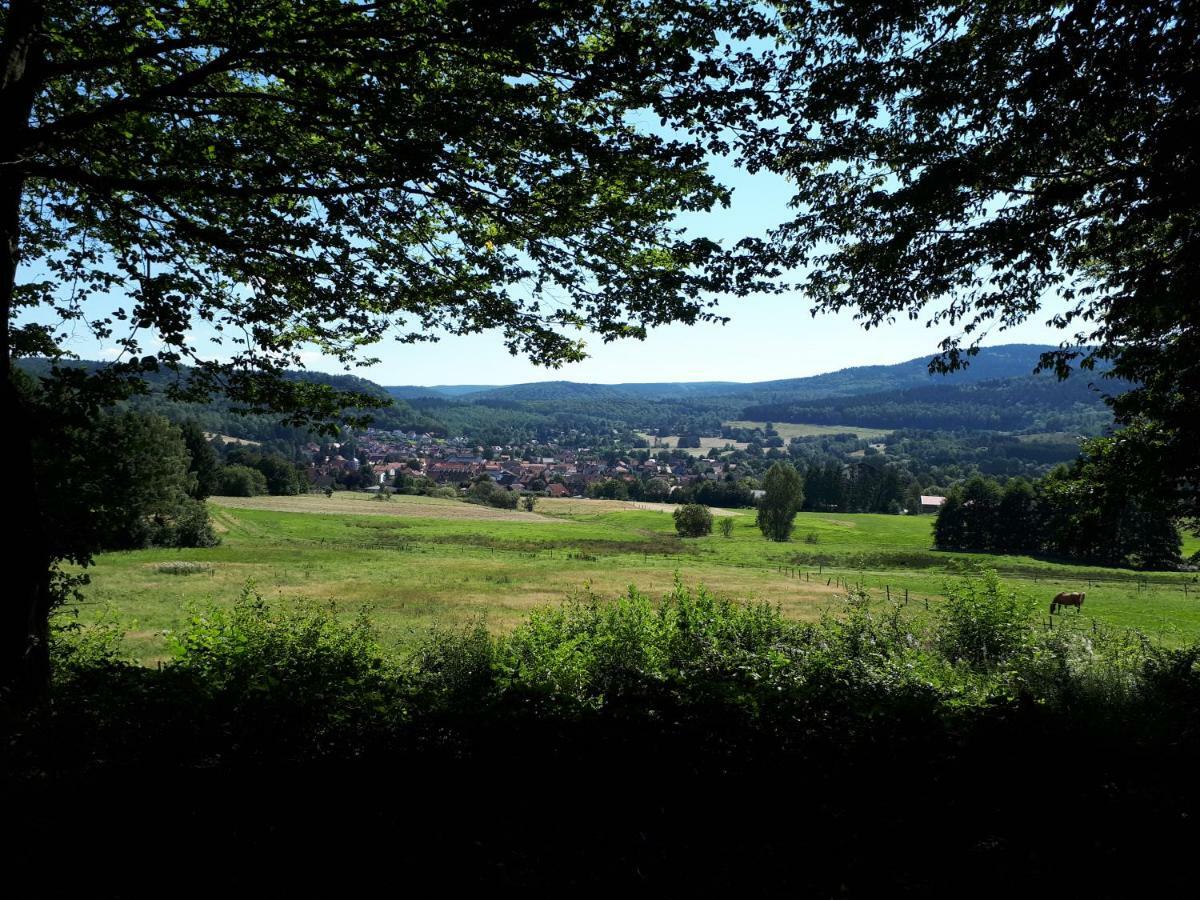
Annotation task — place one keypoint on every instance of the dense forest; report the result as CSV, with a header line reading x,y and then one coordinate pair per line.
x,y
1031,404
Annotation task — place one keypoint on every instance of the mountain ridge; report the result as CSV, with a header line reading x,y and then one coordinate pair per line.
x,y
1002,361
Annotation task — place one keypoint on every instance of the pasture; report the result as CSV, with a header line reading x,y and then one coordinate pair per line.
x,y
418,561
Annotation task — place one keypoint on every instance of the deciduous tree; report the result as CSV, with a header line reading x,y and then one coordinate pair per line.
x,y
979,163
693,520
783,495
284,175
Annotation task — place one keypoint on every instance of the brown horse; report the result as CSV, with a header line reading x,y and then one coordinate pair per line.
x,y
1068,598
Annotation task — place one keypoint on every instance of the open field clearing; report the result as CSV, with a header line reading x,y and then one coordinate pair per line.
x,y
671,442
228,439
418,561
787,430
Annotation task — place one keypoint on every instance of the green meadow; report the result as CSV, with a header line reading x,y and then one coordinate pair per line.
x,y
417,562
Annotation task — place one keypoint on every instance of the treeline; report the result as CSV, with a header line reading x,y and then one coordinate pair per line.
x,y
944,458
120,477
870,486
1069,515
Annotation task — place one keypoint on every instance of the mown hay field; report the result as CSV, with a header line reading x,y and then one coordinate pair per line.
x,y
671,442
418,561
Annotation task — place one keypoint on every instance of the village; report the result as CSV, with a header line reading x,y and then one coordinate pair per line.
x,y
378,460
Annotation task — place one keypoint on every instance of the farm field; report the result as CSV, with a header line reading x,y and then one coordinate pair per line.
x,y
787,431
418,561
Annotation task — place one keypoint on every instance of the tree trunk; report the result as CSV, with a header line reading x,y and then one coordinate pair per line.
x,y
24,613
25,610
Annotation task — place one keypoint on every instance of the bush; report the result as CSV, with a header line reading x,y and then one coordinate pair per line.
x,y
191,527
453,667
181,567
690,649
81,651
726,526
286,672
242,481
982,624
693,520
488,493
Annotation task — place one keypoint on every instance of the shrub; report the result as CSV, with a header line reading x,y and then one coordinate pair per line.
x,y
242,481
79,650
693,520
1071,668
981,623
488,493
285,675
453,667
692,648
726,526
191,527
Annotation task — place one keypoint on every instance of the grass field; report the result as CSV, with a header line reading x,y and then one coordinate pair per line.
x,y
788,431
418,561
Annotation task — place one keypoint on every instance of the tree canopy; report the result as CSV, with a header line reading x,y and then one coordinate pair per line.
x,y
308,173
975,164
280,176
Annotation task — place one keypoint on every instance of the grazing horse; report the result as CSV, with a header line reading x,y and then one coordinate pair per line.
x,y
1068,598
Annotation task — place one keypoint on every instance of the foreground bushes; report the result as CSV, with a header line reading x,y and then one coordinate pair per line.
x,y
304,670
688,741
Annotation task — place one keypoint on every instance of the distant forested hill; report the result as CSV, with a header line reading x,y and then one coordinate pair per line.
x,y
1008,361
1032,403
572,390
996,393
